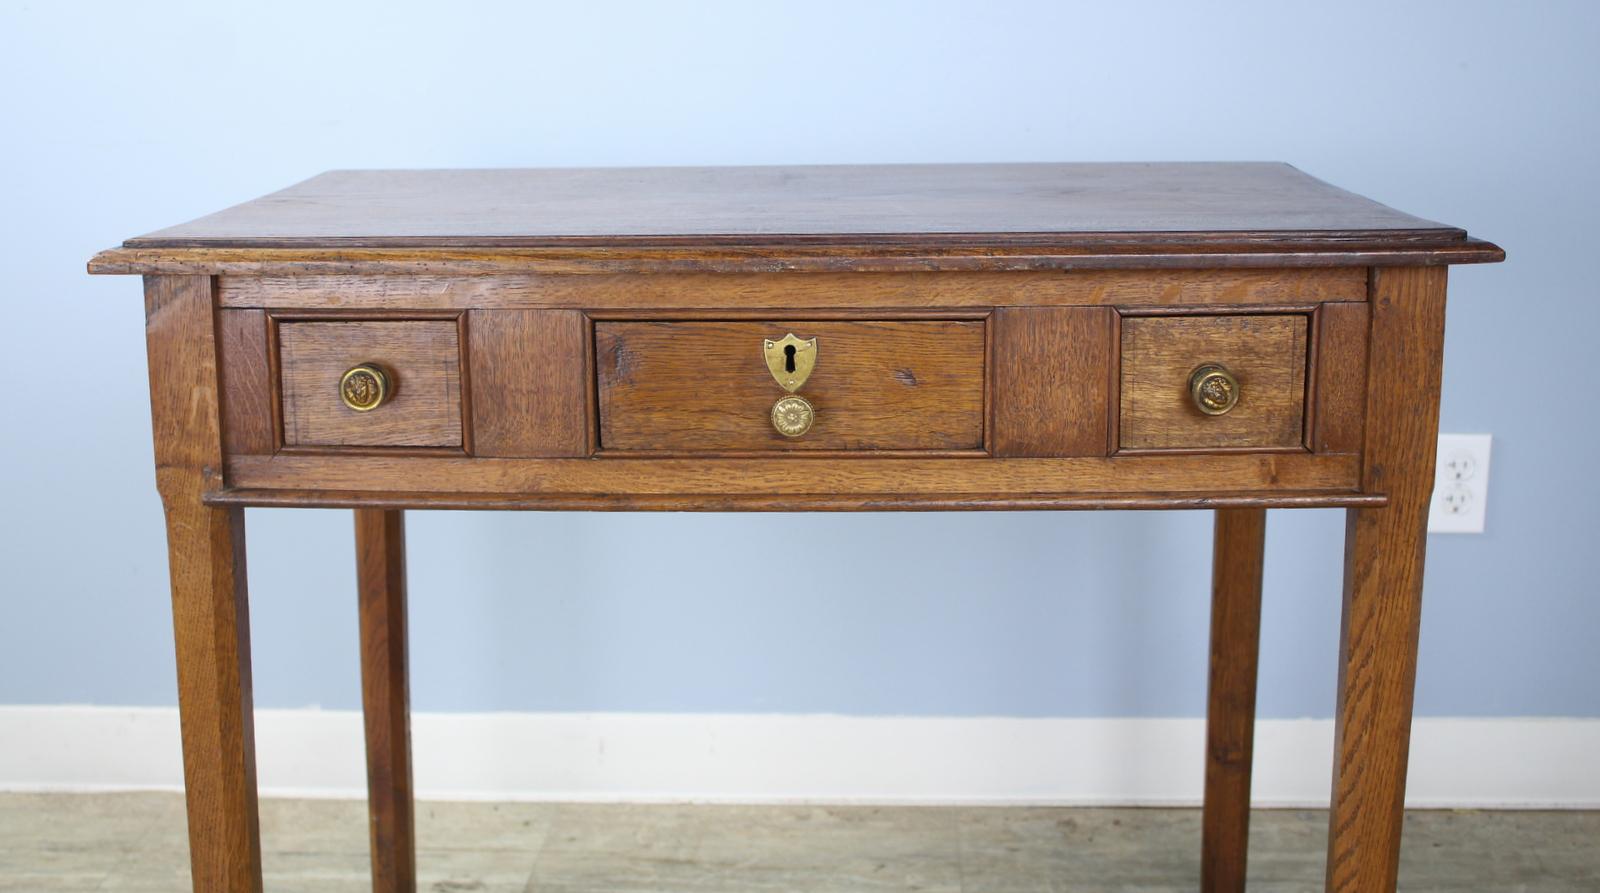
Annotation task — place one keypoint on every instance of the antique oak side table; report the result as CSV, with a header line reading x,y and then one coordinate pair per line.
x,y
1235,337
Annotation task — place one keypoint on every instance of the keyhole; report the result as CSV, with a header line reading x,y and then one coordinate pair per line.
x,y
788,358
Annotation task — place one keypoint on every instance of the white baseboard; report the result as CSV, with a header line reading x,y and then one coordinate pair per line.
x,y
1489,763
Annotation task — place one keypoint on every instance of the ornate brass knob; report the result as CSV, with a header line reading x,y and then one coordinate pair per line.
x,y
365,387
1214,389
792,416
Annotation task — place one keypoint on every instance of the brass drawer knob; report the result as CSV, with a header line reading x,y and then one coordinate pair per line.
x,y
365,387
792,416
1214,389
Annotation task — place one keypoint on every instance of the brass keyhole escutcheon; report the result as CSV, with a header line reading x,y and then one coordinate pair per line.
x,y
365,387
790,360
792,416
1214,389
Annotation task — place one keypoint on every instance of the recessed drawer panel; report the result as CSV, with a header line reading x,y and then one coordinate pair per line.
x,y
416,386
1218,382
708,386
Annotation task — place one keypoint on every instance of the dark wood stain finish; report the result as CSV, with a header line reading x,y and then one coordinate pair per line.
x,y
782,292
705,386
1341,377
529,383
992,337
1240,543
912,218
759,472
1265,352
878,205
810,502
1051,380
386,697
1098,256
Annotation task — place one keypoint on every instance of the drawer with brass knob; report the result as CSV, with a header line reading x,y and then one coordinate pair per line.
x,y
370,383
790,385
1213,382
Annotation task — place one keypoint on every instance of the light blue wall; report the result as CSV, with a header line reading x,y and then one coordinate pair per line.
x,y
118,118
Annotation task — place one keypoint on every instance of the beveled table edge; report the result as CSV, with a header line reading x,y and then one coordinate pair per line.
x,y
1200,254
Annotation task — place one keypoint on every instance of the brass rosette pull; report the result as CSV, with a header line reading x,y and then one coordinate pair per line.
x,y
792,416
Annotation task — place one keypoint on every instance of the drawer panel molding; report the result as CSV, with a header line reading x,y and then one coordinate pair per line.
x,y
421,360
1250,393
705,387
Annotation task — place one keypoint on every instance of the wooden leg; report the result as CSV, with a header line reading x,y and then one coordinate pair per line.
x,y
1383,582
210,613
1231,697
386,697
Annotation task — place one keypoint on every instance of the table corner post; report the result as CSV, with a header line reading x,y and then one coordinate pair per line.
x,y
1382,602
210,605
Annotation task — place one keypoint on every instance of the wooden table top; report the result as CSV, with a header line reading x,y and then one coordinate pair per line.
x,y
913,206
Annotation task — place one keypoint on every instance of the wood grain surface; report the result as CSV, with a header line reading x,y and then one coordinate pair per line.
x,y
422,356
246,370
210,606
801,473
1383,582
530,382
910,218
1052,380
386,698
1238,550
1081,256
705,386
767,291
1266,353
1341,377
769,502
904,204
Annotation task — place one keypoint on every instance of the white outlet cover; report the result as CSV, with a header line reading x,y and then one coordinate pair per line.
x,y
1461,484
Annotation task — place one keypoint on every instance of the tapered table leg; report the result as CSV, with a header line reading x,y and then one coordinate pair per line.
x,y
210,613
1383,581
1231,696
385,698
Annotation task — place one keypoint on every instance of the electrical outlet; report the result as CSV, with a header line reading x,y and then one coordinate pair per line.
x,y
1461,484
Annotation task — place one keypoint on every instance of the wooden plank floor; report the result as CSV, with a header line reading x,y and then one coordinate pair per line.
x,y
135,842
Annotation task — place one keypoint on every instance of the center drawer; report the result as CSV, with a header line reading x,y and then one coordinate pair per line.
x,y
708,386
